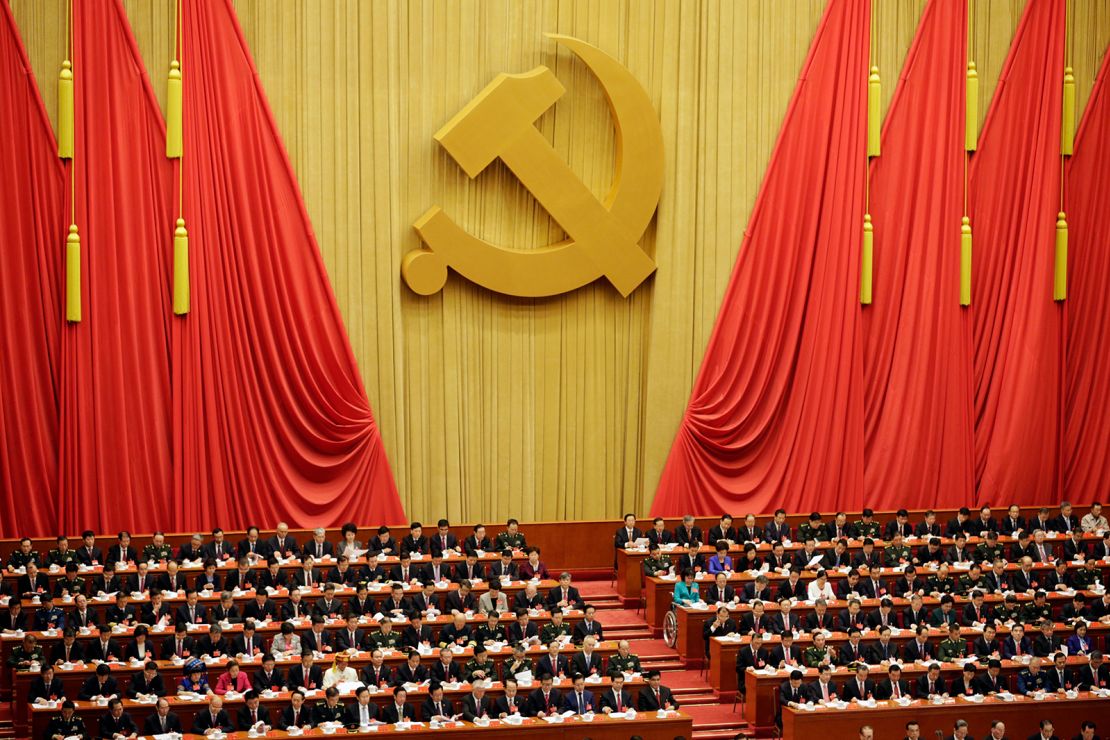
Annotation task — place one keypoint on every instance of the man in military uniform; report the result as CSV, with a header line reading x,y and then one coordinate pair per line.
x,y
72,584
953,646
991,550
814,528
656,564
23,555
897,552
157,550
1088,576
1037,610
1032,678
491,631
61,554
329,710
554,629
67,724
29,652
941,583
818,653
867,526
386,636
480,666
511,538
519,662
1009,611
48,616
972,580
624,661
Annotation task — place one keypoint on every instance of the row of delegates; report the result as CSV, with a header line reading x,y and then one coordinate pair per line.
x,y
281,544
996,730
777,529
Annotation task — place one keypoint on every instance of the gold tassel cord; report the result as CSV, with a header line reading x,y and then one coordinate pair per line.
x,y
1060,279
73,274
865,283
971,112
965,261
173,112
180,269
1067,124
874,112
65,111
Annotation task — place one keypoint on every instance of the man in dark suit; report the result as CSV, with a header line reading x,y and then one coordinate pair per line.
x,y
565,595
658,534
513,702
318,547
1047,731
362,712
894,687
625,535
588,661
578,699
616,698
655,695
1012,522
991,682
398,710
218,549
777,529
296,714
252,712
89,553
791,693
861,688
252,546
931,684
282,543
269,676
117,722
415,541
163,721
476,704
687,532
444,541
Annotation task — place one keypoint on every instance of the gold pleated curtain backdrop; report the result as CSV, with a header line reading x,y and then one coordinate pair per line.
x,y
542,409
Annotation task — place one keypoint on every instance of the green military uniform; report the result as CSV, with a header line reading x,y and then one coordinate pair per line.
x,y
867,529
73,727
940,585
474,665
654,565
631,664
1085,578
506,541
949,649
818,531
551,631
1008,612
967,584
59,558
21,655
1033,614
18,560
1033,683
989,553
381,640
512,667
324,713
485,634
814,656
895,555
154,552
71,586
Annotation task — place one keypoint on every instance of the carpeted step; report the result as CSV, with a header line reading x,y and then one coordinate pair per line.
x,y
723,734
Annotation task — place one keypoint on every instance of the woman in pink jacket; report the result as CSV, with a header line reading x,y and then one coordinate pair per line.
x,y
232,679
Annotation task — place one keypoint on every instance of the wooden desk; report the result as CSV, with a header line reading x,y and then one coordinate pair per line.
x,y
760,688
187,711
1022,717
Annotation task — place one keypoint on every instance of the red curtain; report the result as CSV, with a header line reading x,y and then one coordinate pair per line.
x,y
918,447
115,433
776,415
31,247
1018,329
271,420
1087,387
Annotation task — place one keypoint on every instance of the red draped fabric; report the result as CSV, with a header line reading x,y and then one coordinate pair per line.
x,y
1018,328
271,420
918,448
31,247
776,414
1087,387
115,409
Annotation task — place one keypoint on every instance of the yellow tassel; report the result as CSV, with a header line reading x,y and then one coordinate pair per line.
x,y
73,274
173,112
65,111
971,111
180,269
874,112
1067,128
965,261
1060,283
868,256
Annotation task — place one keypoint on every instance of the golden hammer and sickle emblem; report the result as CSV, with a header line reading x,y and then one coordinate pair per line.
x,y
603,234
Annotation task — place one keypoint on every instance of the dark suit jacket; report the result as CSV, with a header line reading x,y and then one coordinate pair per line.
x,y
204,721
304,719
428,708
243,716
276,681
580,665
921,686
570,701
436,543
109,725
555,595
648,703
390,715
153,727
471,708
502,706
261,547
885,689
290,546
541,707
351,714
850,689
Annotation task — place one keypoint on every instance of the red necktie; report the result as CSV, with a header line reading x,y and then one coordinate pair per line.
x,y
897,694
445,542
620,705
824,689
658,699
